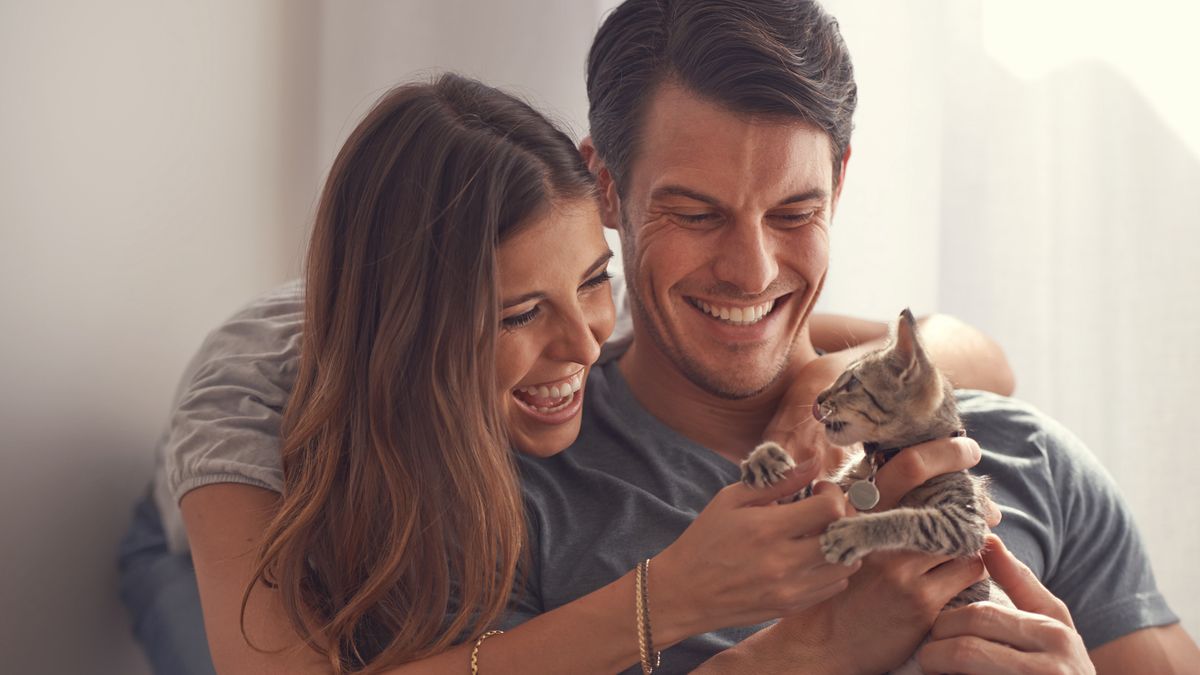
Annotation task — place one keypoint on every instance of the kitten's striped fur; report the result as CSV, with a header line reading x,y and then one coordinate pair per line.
x,y
894,398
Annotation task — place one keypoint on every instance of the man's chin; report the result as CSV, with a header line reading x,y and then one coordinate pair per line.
x,y
734,386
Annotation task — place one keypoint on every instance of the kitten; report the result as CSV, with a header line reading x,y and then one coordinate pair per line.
x,y
889,400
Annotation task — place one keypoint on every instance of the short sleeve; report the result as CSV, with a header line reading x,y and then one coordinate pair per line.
x,y
225,423
1101,570
1065,518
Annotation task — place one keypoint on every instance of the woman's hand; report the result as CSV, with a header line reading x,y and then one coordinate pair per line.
x,y
1037,637
747,559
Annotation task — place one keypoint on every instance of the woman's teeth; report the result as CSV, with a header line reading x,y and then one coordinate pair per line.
x,y
557,391
739,316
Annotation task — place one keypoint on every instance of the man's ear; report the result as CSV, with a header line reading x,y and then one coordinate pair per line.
x,y
837,193
610,203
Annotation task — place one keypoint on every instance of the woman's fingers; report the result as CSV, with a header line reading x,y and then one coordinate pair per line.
x,y
740,494
809,517
916,464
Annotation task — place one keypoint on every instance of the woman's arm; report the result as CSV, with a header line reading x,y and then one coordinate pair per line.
x,y
713,576
969,358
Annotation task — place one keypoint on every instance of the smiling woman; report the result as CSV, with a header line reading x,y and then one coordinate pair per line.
x,y
557,312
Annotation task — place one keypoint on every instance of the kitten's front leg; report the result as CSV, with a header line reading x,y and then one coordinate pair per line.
x,y
766,465
913,529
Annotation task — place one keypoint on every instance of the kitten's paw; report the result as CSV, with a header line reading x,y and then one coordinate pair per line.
x,y
766,465
842,542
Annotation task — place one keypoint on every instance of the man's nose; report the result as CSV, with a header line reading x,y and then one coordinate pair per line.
x,y
747,258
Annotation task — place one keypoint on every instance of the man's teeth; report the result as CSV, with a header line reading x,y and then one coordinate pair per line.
x,y
741,316
557,391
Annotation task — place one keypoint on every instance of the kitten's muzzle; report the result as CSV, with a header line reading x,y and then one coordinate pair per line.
x,y
822,411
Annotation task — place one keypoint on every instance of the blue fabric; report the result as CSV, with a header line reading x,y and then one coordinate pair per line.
x,y
159,589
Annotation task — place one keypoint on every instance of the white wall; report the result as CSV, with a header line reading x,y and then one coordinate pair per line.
x,y
148,185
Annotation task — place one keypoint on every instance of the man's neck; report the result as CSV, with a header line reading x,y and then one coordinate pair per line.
x,y
729,427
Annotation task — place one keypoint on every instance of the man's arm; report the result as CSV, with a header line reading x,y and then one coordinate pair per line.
x,y
976,638
1162,649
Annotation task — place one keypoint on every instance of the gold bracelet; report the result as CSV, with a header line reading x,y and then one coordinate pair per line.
x,y
642,605
475,651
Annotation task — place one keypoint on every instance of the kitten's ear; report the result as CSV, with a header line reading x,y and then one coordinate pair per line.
x,y
906,348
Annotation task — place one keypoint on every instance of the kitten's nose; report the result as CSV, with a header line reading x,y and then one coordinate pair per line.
x,y
817,412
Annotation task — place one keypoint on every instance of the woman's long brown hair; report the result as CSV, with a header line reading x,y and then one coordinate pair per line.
x,y
401,524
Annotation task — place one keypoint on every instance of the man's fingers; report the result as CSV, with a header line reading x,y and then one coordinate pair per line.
x,y
1020,583
1023,630
917,464
969,654
991,514
953,577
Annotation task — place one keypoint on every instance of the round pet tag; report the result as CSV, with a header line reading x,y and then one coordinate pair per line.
x,y
863,495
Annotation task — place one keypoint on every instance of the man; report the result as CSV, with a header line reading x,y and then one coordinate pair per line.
x,y
721,140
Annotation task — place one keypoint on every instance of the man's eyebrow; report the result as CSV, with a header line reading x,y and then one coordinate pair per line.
x,y
680,191
538,295
817,194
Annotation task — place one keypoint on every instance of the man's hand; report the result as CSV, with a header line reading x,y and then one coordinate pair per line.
x,y
1037,637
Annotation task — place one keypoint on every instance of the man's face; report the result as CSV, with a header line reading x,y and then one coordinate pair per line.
x,y
725,239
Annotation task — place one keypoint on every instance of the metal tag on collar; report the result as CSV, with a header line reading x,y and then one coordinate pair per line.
x,y
863,494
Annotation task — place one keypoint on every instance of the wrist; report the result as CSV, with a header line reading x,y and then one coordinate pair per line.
x,y
673,613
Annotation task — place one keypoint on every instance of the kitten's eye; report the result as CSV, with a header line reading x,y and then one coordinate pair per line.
x,y
851,382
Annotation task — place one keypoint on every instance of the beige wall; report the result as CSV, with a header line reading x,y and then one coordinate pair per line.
x,y
158,166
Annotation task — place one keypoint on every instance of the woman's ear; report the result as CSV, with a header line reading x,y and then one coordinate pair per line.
x,y
610,202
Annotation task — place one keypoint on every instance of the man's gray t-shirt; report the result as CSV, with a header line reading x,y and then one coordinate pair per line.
x,y
629,486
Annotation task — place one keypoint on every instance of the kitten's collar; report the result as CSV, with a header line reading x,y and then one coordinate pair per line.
x,y
880,456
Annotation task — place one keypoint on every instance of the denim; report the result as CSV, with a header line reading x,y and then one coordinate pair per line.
x,y
159,590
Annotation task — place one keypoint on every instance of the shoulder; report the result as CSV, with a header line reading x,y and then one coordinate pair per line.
x,y
1018,431
224,425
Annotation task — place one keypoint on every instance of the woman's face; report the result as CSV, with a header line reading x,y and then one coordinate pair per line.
x,y
556,310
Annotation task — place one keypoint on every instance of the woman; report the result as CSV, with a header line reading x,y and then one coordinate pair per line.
x,y
455,299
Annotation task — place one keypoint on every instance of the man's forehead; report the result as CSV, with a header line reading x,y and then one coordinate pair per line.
x,y
691,142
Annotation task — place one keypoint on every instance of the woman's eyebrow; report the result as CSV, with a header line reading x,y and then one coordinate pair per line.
x,y
535,295
600,262
538,295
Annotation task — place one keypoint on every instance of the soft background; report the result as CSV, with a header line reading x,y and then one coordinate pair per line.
x,y
1032,167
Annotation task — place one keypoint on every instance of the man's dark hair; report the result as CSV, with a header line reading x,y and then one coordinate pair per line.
x,y
771,57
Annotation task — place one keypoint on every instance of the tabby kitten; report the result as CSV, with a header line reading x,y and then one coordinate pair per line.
x,y
889,400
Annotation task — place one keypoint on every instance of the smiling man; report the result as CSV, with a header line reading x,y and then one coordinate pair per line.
x,y
720,139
